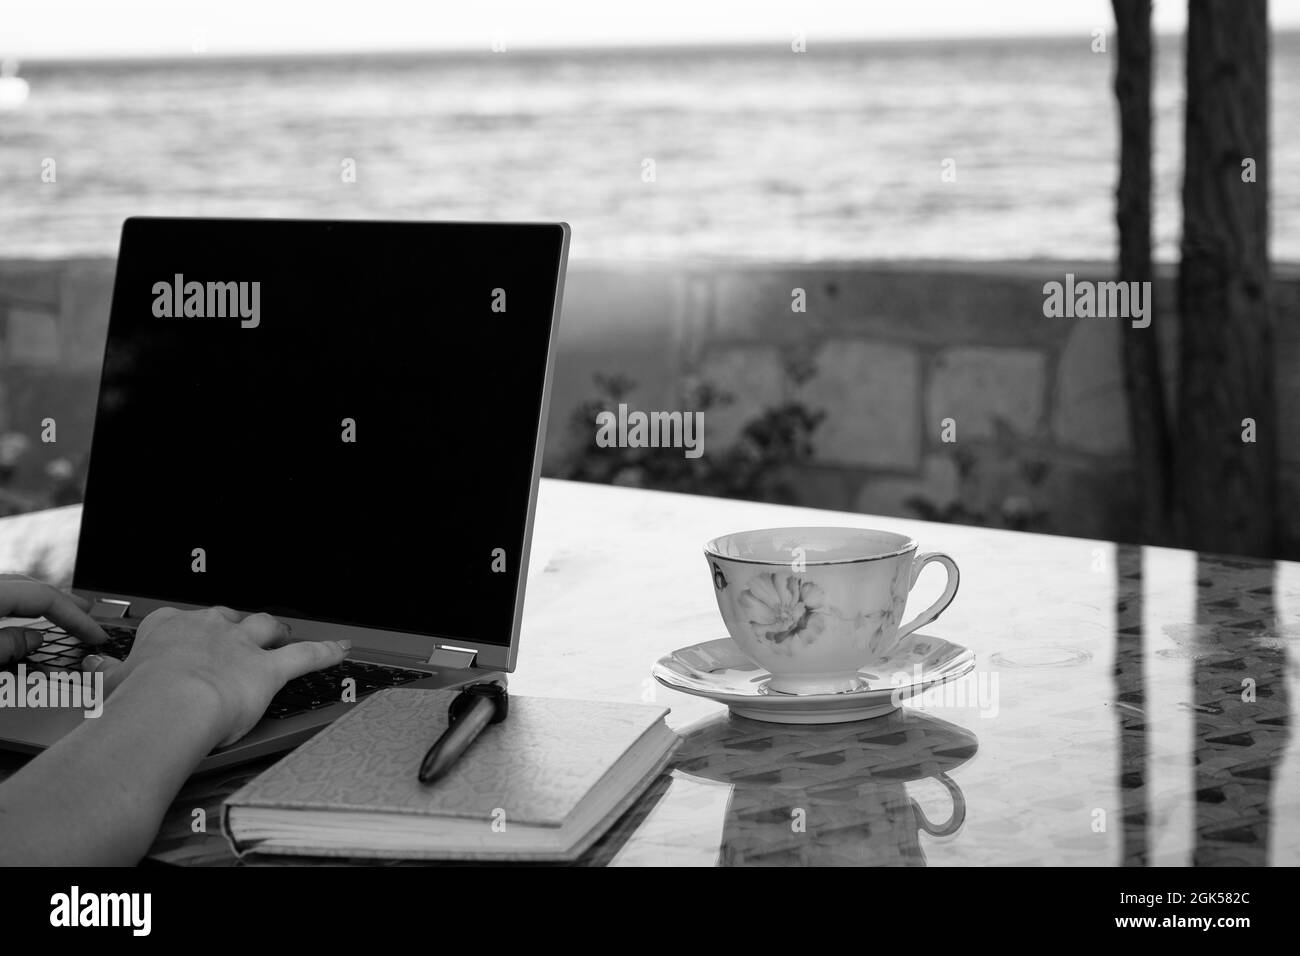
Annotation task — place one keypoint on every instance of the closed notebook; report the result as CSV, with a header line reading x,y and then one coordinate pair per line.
x,y
544,784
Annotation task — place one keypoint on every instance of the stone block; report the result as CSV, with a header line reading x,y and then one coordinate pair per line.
x,y
1090,409
31,337
754,378
85,299
29,282
979,387
938,483
870,392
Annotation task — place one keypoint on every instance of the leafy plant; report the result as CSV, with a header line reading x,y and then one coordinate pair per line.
x,y
758,465
60,484
996,489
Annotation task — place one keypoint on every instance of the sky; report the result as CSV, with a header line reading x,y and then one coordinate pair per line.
x,y
72,28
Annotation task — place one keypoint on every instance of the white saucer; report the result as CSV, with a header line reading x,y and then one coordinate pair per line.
x,y
719,671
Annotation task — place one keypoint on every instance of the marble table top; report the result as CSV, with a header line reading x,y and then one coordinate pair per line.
x,y
1129,706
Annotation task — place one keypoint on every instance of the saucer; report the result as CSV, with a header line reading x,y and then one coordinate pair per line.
x,y
719,671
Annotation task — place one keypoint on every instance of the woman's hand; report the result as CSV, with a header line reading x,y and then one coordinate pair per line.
x,y
193,680
237,661
21,596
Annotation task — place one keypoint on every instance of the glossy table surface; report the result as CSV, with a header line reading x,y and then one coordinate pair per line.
x,y
1129,705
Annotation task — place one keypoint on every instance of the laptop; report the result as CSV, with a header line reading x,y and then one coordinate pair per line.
x,y
339,423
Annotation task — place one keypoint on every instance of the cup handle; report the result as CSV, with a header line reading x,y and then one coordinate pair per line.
x,y
958,811
938,607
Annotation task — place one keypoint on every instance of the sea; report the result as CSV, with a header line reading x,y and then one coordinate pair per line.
x,y
966,149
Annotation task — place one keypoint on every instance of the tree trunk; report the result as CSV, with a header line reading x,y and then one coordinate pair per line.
x,y
1139,351
1224,490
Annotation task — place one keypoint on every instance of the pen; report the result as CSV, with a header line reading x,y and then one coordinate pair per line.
x,y
473,709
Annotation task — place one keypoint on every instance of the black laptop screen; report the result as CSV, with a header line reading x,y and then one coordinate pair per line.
x,y
326,420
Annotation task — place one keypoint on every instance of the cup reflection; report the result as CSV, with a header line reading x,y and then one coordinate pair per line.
x,y
828,795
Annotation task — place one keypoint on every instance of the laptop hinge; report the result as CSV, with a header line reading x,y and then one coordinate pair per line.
x,y
452,658
107,607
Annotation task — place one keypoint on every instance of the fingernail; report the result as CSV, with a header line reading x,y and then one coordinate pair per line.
x,y
34,639
346,645
92,662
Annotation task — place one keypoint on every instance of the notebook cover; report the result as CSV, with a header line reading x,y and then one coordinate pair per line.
x,y
493,849
536,766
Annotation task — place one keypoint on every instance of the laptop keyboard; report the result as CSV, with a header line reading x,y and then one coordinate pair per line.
x,y
309,692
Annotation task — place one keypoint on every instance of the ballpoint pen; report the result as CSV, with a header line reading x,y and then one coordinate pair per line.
x,y
473,709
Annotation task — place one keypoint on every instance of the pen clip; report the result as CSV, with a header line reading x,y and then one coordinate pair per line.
x,y
492,690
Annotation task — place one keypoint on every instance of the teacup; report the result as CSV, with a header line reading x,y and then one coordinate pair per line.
x,y
814,606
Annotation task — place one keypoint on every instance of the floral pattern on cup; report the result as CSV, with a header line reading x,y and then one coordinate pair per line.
x,y
778,607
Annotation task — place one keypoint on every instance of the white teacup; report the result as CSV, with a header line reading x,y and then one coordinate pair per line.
x,y
815,605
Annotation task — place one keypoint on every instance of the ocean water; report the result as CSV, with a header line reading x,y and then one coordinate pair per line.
x,y
835,154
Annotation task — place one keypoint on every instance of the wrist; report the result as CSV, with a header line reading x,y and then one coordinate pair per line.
x,y
180,699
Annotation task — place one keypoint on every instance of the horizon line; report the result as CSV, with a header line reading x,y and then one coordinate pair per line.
x,y
657,47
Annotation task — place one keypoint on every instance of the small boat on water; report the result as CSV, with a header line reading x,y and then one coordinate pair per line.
x,y
13,88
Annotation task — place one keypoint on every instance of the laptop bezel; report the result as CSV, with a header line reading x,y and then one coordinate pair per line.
x,y
398,647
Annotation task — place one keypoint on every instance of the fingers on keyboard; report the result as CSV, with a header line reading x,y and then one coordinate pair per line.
x,y
325,687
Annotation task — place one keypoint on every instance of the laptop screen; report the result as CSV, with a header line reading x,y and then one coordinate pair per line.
x,y
335,421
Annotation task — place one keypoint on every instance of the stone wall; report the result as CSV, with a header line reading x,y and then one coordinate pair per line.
x,y
53,321
887,350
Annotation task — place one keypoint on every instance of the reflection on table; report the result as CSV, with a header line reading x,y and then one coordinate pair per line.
x,y
1131,705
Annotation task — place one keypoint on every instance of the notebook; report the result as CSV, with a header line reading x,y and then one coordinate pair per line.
x,y
544,784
